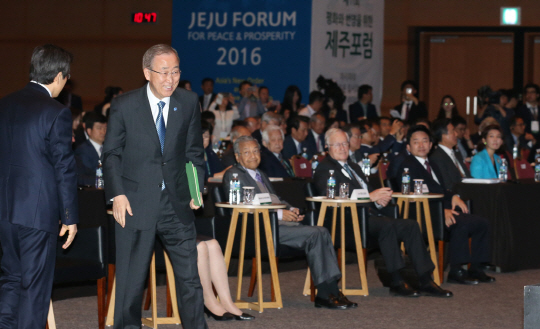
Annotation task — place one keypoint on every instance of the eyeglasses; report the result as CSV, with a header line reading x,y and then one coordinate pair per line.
x,y
356,136
336,145
164,75
254,152
446,104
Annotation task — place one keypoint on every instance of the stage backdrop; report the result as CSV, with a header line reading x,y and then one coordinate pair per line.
x,y
277,43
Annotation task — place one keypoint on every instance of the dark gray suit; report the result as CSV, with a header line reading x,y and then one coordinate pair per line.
x,y
450,173
314,240
134,166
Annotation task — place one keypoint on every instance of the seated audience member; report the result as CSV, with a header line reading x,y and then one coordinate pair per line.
x,y
228,158
333,109
518,137
461,225
186,84
76,118
448,108
272,161
464,142
110,93
316,101
477,138
88,154
252,124
450,163
410,108
355,139
268,119
363,109
486,164
315,137
225,113
250,105
385,126
315,240
529,109
489,106
331,123
386,231
267,102
295,142
366,146
208,96
212,166
213,274
291,102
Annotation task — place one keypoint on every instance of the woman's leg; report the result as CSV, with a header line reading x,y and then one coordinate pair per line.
x,y
203,264
220,280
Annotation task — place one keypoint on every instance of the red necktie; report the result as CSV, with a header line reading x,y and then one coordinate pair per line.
x,y
428,167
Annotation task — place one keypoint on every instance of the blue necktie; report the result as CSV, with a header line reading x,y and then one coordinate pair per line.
x,y
160,126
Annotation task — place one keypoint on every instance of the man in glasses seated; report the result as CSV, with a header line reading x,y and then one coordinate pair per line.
x,y
387,232
315,240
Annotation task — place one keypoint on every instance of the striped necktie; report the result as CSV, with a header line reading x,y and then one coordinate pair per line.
x,y
160,126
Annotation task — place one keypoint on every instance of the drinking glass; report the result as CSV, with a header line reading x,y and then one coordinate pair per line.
x,y
418,186
249,192
344,190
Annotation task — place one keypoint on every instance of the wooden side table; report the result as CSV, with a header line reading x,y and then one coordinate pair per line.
x,y
343,203
403,201
245,210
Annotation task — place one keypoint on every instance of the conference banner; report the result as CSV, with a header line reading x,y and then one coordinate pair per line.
x,y
279,43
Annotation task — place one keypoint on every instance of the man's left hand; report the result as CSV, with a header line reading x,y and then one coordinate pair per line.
x,y
456,201
71,235
192,204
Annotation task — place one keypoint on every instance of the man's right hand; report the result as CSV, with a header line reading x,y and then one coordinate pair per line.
x,y
382,196
120,207
292,216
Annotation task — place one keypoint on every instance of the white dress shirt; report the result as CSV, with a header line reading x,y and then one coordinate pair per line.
x,y
153,100
224,120
452,156
307,111
206,101
423,163
320,147
253,174
97,146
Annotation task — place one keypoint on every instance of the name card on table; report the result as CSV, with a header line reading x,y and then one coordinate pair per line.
x,y
262,199
360,194
534,126
425,189
303,166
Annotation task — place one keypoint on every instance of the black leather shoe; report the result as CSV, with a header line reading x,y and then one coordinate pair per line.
x,y
432,289
461,276
404,290
225,317
481,276
344,299
243,317
332,302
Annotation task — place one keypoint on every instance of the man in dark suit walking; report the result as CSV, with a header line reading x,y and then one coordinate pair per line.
x,y
460,223
450,162
88,154
38,187
152,132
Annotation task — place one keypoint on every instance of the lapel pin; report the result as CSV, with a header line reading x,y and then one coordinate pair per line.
x,y
175,108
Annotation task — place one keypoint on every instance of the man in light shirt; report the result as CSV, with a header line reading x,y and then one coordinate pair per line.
x,y
316,100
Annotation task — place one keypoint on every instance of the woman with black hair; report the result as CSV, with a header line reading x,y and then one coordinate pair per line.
x,y
448,109
291,102
110,93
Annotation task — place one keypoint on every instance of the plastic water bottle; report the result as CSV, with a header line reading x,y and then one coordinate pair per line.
x,y
537,155
515,152
234,190
304,153
405,181
537,169
366,165
314,163
331,186
100,184
503,171
385,158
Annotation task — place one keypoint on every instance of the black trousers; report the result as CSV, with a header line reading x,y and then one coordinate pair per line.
x,y
133,254
390,232
26,285
317,243
474,227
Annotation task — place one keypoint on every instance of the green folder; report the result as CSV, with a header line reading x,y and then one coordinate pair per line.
x,y
193,181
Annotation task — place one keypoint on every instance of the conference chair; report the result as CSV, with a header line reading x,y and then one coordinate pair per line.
x,y
301,167
383,168
523,169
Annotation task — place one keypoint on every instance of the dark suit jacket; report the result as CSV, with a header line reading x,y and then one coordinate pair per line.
x,y
356,111
271,165
524,112
289,148
228,158
257,135
416,112
87,163
201,100
80,137
449,172
132,159
311,144
509,141
213,164
38,180
417,171
246,180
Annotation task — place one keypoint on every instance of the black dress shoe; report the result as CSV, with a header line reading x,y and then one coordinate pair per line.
x,y
332,302
481,276
243,317
432,289
344,299
461,276
404,290
225,317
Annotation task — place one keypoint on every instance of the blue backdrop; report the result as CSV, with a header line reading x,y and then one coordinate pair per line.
x,y
265,42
